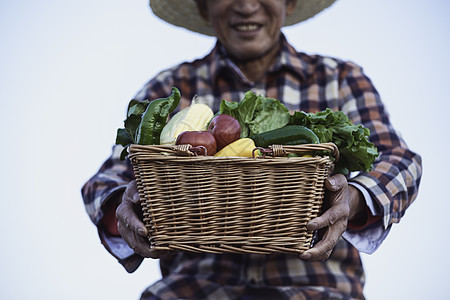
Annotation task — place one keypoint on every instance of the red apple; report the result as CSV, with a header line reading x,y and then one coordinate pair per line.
x,y
198,138
225,129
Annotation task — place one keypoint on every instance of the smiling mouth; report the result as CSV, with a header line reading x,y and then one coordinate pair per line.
x,y
247,27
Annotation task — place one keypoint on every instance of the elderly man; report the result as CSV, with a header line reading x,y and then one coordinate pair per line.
x,y
252,54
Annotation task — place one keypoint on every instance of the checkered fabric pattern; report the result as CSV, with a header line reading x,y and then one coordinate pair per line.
x,y
302,82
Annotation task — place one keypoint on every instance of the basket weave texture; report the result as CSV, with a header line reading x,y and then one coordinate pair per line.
x,y
230,204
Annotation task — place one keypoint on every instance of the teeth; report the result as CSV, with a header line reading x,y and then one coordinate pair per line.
x,y
247,27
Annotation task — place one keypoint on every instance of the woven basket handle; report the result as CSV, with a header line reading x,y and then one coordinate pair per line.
x,y
283,150
182,150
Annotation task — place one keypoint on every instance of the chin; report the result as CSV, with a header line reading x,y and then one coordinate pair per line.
x,y
249,53
255,49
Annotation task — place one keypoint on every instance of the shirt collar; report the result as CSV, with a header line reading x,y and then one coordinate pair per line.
x,y
221,60
288,58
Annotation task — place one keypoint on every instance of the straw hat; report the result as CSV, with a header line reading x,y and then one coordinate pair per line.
x,y
184,13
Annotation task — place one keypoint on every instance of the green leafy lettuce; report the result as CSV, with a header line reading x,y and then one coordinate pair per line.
x,y
357,153
256,114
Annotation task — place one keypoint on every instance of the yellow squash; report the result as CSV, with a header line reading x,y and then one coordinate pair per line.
x,y
242,147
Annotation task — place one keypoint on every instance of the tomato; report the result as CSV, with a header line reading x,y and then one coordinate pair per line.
x,y
225,130
198,138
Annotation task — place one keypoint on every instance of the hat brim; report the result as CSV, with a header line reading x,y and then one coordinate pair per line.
x,y
184,13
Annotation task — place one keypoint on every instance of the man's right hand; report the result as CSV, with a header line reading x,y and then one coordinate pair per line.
x,y
130,225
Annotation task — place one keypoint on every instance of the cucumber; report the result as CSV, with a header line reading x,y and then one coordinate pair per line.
x,y
288,135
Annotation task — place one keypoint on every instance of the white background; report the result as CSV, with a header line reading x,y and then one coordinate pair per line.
x,y
68,70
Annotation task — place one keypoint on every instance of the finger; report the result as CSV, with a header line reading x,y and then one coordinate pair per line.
x,y
126,215
141,245
131,192
162,253
331,216
143,248
335,182
323,249
337,201
138,243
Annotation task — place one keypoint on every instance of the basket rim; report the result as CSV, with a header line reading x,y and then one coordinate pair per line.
x,y
181,152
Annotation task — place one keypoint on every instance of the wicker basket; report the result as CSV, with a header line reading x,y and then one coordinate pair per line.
x,y
230,204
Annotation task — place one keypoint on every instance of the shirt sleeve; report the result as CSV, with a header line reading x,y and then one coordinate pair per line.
x,y
369,237
392,184
111,179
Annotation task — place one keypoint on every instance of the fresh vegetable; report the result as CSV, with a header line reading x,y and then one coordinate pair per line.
x,y
242,147
256,114
357,153
288,135
225,130
198,138
266,120
154,118
127,135
193,118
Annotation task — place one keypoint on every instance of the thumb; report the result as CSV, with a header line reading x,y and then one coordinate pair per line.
x,y
136,198
132,193
335,182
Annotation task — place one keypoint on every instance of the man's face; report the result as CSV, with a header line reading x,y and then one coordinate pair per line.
x,y
248,29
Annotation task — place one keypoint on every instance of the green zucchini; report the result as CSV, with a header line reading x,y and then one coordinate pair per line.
x,y
288,135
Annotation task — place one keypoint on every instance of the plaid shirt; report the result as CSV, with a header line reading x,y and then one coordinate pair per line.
x,y
302,82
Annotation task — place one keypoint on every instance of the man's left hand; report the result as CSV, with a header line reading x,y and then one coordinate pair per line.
x,y
333,221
